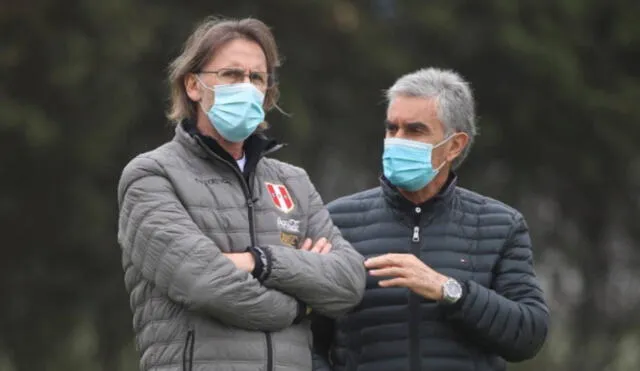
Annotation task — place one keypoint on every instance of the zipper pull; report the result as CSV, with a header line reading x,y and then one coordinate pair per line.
x,y
416,234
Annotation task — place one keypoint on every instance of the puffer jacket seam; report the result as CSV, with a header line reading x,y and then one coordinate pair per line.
x,y
512,231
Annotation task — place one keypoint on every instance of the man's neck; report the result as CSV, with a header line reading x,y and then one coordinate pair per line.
x,y
430,190
234,149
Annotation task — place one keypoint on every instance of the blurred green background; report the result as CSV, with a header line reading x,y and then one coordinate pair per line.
x,y
83,89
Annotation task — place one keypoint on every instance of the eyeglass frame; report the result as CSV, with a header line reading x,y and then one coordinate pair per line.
x,y
246,73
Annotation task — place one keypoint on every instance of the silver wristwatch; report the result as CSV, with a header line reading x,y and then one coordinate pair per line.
x,y
451,291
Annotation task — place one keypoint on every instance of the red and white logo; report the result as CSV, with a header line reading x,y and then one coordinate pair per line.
x,y
280,196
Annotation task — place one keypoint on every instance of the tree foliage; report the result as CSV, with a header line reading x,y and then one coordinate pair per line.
x,y
83,86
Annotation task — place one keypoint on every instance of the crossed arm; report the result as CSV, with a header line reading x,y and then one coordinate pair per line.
x,y
329,277
163,243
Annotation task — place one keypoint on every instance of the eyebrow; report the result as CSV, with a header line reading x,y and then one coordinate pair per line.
x,y
409,125
255,68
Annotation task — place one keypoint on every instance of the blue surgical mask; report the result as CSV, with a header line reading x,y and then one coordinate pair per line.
x,y
237,110
407,163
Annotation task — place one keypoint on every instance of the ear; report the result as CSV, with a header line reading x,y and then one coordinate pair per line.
x,y
192,87
457,144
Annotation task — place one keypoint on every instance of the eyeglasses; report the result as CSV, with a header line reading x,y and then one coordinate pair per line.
x,y
237,75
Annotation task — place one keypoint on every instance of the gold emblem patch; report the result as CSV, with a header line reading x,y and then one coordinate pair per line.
x,y
289,239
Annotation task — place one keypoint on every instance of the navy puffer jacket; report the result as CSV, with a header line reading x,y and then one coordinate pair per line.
x,y
479,241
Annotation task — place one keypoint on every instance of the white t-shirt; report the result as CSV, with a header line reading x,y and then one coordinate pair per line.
x,y
241,162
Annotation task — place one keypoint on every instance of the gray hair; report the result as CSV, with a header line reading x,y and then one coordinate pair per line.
x,y
454,100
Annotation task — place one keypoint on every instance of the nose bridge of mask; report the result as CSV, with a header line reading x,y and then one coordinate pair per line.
x,y
408,143
232,88
228,90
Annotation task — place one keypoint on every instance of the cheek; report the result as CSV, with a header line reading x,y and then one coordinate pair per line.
x,y
202,97
438,156
207,98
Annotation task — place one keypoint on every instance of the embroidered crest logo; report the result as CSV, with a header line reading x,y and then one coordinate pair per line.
x,y
289,239
280,197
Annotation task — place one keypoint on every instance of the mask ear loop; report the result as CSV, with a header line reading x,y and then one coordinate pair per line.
x,y
206,87
437,170
438,145
201,82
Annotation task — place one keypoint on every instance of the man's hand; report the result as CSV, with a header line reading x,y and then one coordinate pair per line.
x,y
408,271
243,260
322,246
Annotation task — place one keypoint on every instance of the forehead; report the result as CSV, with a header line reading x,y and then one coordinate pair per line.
x,y
404,109
239,53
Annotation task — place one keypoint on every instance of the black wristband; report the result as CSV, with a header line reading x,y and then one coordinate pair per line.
x,y
262,267
302,312
258,266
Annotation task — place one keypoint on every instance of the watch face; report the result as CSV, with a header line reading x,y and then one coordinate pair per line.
x,y
452,290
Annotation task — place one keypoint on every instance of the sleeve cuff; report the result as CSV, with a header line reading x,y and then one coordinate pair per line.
x,y
262,258
452,308
303,312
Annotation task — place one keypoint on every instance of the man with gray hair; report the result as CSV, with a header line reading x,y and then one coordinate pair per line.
x,y
451,283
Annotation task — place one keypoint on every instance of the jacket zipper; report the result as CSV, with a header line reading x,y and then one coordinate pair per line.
x,y
246,188
415,358
187,352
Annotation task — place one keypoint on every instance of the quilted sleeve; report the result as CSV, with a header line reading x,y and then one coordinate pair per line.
x,y
330,284
167,248
511,318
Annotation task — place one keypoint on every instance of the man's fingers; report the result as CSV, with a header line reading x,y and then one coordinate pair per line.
x,y
384,261
317,248
388,272
326,249
306,246
395,282
322,246
321,242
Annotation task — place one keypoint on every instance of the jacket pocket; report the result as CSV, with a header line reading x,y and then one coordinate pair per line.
x,y
187,351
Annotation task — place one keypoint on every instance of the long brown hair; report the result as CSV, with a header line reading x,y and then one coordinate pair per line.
x,y
208,37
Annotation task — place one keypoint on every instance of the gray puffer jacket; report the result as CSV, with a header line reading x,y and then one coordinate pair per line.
x,y
186,203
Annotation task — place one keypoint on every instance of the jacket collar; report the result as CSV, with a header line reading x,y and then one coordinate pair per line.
x,y
255,147
397,201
